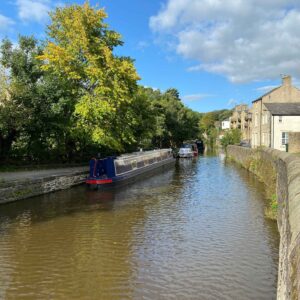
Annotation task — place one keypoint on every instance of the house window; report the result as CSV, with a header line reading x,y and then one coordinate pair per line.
x,y
280,119
284,138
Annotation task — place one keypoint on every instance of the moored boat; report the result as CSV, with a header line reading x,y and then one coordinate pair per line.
x,y
186,151
113,170
195,149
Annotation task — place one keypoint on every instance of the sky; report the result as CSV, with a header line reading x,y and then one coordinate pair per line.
x,y
217,53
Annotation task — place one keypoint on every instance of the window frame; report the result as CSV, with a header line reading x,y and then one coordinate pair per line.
x,y
284,138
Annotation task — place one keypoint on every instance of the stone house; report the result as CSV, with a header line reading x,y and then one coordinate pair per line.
x,y
241,119
263,131
284,118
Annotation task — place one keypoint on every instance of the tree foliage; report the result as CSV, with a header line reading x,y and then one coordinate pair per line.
x,y
21,105
208,128
80,48
69,96
231,137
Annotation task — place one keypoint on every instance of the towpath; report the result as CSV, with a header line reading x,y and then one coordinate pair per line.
x,y
39,174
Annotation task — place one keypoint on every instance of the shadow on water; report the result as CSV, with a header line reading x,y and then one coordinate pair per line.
x,y
258,188
80,198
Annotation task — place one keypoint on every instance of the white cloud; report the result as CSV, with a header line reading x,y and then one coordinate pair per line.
x,y
196,97
243,40
296,83
33,10
142,45
5,23
266,88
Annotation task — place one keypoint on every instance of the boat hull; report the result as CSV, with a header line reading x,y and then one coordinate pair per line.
x,y
131,176
186,155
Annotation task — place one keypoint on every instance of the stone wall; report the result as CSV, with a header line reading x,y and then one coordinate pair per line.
x,y
294,142
25,188
283,171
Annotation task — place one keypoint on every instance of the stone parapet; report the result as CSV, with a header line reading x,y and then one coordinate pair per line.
x,y
26,187
287,180
294,142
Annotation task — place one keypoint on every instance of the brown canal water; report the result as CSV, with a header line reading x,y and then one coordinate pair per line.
x,y
197,231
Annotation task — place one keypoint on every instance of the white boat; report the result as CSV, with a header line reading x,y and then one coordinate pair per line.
x,y
186,151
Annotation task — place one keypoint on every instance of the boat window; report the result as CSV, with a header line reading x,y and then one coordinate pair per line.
x,y
187,146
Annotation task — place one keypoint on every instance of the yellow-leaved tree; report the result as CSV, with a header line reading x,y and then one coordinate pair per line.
x,y
80,49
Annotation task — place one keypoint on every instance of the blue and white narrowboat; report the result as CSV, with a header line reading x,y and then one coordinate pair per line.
x,y
113,170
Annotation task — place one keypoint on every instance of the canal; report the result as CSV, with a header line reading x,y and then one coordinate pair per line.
x,y
196,231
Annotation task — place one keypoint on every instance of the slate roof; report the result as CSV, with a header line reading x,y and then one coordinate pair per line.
x,y
283,109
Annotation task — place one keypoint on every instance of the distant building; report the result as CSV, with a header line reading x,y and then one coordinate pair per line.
x,y
268,122
225,124
241,119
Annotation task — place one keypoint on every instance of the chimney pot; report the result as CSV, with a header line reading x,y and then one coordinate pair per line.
x,y
286,80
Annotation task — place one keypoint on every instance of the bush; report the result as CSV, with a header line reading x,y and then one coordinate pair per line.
x,y
231,137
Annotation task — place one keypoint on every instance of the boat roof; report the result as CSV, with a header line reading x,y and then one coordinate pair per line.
x,y
141,153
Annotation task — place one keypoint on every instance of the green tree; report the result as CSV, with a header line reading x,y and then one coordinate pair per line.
x,y
36,112
141,120
10,120
231,137
80,49
207,121
21,106
173,93
174,122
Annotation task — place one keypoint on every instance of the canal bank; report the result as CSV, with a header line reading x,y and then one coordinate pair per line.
x,y
280,172
25,184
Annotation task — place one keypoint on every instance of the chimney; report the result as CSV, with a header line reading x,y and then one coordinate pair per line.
x,y
286,80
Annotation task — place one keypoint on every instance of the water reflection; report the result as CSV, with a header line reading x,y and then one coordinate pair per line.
x,y
193,232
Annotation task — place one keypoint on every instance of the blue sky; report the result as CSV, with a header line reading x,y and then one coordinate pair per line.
x,y
211,51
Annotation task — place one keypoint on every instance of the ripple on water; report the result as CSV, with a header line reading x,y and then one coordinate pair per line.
x,y
195,232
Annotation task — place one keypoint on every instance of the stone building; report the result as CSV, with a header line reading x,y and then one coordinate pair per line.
x,y
241,119
284,119
225,124
263,116
294,142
